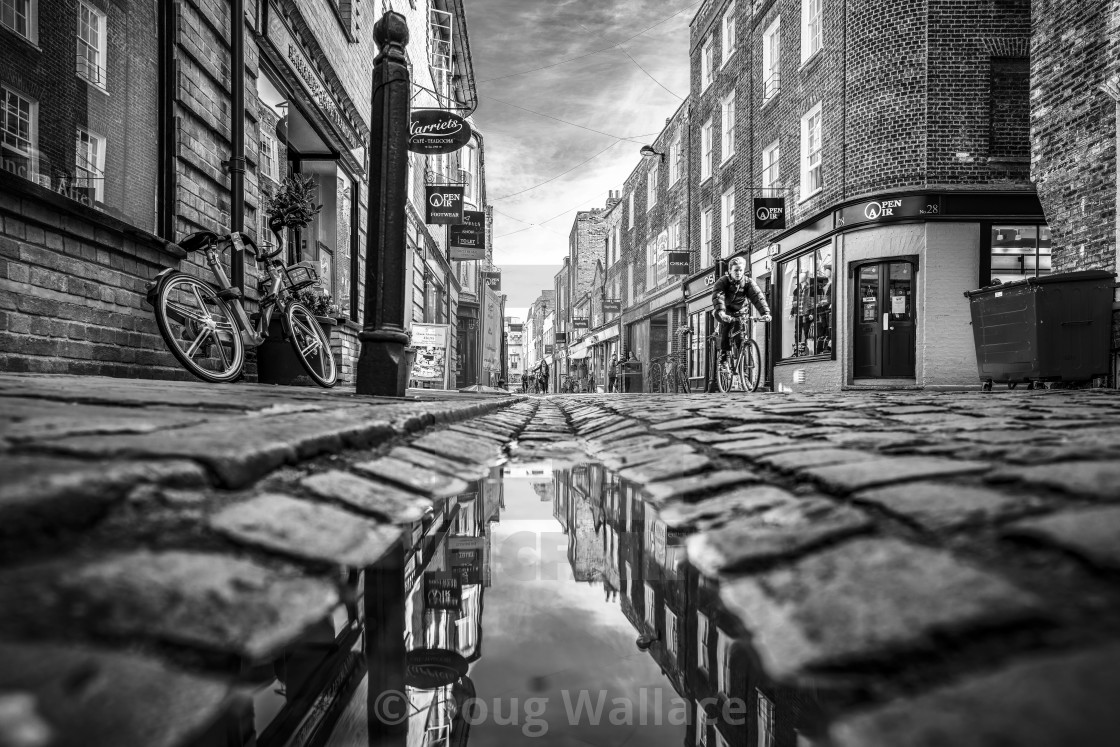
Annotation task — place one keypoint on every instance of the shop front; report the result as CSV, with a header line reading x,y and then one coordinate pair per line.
x,y
701,324
870,295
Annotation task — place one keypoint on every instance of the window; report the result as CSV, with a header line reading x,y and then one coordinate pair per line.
x,y
630,199
706,257
651,186
771,171
467,174
91,44
651,264
727,235
765,712
807,299
701,725
728,29
651,618
697,341
21,16
671,634
811,182
89,165
19,143
269,158
706,64
727,127
771,60
676,159
439,31
701,636
811,38
723,663
706,150
1019,252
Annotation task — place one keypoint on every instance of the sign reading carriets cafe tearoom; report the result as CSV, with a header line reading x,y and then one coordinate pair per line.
x,y
434,131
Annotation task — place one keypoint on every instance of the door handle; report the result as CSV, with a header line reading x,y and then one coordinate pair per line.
x,y
886,321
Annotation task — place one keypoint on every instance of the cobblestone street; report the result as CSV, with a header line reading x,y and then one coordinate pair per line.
x,y
946,563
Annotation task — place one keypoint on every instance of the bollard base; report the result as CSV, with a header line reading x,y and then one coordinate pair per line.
x,y
380,367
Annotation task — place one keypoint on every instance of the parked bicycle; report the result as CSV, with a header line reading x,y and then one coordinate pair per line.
x,y
207,328
743,367
666,375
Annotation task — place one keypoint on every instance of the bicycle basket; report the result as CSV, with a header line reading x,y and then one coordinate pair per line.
x,y
299,276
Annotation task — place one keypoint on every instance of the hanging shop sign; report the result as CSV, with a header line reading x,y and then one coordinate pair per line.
x,y
468,239
560,338
434,131
612,306
445,204
548,349
579,322
769,212
465,555
442,591
678,263
874,211
432,668
493,280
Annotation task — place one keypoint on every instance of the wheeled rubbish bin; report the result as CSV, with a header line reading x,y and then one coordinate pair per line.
x,y
1051,328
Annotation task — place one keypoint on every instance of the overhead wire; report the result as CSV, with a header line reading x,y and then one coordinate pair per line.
x,y
655,80
631,138
554,178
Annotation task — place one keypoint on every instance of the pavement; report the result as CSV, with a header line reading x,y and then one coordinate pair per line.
x,y
952,558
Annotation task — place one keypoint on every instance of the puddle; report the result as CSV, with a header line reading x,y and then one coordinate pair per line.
x,y
547,603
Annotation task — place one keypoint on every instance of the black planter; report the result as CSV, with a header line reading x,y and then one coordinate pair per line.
x,y
276,360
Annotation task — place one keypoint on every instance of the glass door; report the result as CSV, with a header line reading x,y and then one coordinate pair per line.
x,y
884,339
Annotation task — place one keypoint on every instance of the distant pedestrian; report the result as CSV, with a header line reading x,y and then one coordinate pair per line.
x,y
612,374
631,367
543,376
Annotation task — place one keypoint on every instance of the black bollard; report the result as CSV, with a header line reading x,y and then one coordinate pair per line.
x,y
383,336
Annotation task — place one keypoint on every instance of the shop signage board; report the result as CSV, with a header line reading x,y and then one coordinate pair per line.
x,y
431,343
561,338
444,204
769,212
678,263
442,591
467,244
493,280
435,131
432,668
492,327
612,306
548,349
465,555
891,208
579,322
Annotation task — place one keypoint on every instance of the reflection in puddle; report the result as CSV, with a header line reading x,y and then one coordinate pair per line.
x,y
554,603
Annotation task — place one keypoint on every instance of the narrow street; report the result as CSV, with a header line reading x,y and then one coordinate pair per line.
x,y
211,553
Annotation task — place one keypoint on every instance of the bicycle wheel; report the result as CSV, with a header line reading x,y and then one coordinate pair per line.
x,y
682,382
725,376
311,343
199,328
751,365
655,378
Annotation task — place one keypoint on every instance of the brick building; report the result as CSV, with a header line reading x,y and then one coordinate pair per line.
x,y
106,162
1075,109
586,244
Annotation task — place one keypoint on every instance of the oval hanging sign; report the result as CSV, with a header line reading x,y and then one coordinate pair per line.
x,y
434,131
430,668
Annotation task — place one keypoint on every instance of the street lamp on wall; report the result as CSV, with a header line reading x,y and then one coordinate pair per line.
x,y
648,151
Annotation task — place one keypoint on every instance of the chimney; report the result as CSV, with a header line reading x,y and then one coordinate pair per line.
x,y
613,198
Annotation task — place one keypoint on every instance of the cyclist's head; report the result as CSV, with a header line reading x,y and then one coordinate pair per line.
x,y
736,268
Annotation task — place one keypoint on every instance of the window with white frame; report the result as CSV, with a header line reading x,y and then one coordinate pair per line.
x,y
706,237
630,200
617,240
89,165
651,186
702,643
727,32
651,264
671,634
727,234
723,663
91,44
440,36
467,174
811,32
811,181
269,156
706,150
771,170
772,60
680,161
651,617
701,725
676,161
19,141
707,63
21,16
727,127
765,712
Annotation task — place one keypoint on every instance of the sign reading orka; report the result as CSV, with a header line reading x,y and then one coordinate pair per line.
x,y
434,131
678,263
769,212
445,204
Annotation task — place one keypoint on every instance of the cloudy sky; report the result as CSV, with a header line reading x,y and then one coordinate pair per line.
x,y
612,70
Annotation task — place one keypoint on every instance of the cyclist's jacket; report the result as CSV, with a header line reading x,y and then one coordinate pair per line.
x,y
731,298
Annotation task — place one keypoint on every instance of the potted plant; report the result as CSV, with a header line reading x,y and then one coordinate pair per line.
x,y
293,204
320,303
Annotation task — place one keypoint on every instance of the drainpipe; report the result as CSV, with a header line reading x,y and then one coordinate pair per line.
x,y
237,135
1111,87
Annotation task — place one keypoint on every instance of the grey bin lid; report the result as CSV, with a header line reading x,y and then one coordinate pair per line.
x,y
1064,277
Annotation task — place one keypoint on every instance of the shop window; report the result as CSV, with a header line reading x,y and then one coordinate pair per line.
x,y
807,299
91,44
771,60
1019,251
19,141
21,16
811,181
89,165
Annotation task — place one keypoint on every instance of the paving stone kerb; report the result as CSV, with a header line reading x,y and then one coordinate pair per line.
x,y
882,538
146,522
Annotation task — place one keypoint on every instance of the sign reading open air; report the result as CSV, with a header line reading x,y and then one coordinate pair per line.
x,y
434,131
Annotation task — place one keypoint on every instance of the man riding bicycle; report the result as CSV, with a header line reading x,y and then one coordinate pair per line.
x,y
730,296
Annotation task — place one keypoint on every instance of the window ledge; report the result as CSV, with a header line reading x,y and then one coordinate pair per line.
x,y
811,195
823,357
810,61
767,102
727,160
94,86
22,38
1009,159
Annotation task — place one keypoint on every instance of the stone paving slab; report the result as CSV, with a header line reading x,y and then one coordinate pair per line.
x,y
865,474
1093,534
1017,705
429,482
1100,479
386,502
943,505
66,695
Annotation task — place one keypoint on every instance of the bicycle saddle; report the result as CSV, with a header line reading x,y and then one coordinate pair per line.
x,y
198,240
